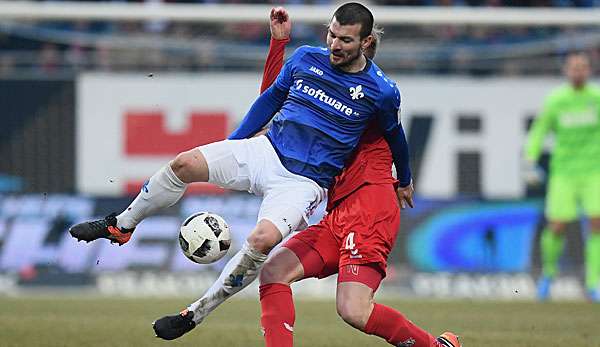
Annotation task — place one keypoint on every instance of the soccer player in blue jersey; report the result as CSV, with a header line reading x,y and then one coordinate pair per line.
x,y
320,105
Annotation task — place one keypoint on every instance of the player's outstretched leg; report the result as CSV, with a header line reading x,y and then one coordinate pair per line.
x,y
162,190
239,272
172,327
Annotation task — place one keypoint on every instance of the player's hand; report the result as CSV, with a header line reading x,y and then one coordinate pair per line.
x,y
405,195
532,173
280,24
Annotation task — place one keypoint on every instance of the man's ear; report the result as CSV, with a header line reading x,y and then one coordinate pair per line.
x,y
366,42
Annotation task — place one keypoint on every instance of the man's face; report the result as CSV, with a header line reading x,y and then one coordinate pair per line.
x,y
344,43
577,69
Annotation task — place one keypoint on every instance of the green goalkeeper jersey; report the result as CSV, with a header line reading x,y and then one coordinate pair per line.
x,y
574,118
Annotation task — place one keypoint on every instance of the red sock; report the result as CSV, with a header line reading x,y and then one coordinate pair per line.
x,y
278,315
391,325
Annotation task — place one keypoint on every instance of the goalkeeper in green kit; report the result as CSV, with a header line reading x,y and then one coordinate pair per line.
x,y
572,113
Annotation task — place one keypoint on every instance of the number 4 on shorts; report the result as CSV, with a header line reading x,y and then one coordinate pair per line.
x,y
350,241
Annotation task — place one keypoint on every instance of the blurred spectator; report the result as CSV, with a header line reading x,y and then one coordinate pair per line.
x,y
69,47
48,58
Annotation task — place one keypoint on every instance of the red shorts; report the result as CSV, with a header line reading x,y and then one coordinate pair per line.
x,y
362,229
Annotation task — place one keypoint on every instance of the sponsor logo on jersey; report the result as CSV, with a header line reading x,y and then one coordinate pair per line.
x,y
324,98
578,119
316,70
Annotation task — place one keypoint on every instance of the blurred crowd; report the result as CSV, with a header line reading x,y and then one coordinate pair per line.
x,y
516,3
63,49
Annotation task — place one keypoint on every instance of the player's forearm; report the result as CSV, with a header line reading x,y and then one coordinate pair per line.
x,y
273,63
535,140
260,113
396,139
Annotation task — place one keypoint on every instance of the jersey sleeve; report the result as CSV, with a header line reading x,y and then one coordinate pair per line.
x,y
274,62
260,113
394,134
542,124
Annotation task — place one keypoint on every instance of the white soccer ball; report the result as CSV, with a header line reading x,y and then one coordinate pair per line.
x,y
204,237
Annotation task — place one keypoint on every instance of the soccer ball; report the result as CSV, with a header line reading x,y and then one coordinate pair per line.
x,y
204,237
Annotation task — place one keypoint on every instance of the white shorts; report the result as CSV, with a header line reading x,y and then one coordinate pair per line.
x,y
253,165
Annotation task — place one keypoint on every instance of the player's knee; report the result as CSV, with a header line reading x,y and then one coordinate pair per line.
x,y
263,239
354,313
190,166
558,227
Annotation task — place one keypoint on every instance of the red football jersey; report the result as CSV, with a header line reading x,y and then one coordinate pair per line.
x,y
372,159
370,163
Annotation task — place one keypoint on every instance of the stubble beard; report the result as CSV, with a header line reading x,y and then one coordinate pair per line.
x,y
351,59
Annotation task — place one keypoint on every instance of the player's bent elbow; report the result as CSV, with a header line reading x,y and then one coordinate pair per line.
x,y
353,313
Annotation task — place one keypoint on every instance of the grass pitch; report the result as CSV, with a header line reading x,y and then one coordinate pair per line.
x,y
77,322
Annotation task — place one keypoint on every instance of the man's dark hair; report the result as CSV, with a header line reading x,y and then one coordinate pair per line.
x,y
354,13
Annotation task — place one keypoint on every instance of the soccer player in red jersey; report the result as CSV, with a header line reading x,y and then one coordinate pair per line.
x,y
354,239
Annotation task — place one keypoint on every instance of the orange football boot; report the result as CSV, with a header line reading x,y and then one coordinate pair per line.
x,y
449,339
102,228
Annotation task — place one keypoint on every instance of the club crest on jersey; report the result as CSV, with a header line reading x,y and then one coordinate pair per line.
x,y
356,92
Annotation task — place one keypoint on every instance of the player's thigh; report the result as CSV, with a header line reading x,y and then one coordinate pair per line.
x,y
590,196
288,199
561,199
228,163
317,250
289,204
367,222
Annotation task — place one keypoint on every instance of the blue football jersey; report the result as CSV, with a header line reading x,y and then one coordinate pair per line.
x,y
326,112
